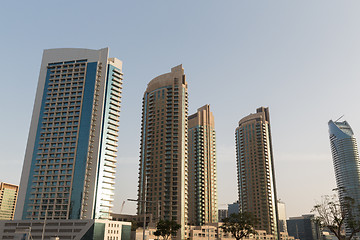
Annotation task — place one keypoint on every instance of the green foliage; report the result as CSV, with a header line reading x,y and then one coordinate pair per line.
x,y
134,225
240,225
331,215
166,228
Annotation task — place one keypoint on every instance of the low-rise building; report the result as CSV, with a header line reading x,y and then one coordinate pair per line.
x,y
209,232
65,229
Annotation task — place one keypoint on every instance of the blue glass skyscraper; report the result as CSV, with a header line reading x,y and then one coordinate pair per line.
x,y
346,160
69,165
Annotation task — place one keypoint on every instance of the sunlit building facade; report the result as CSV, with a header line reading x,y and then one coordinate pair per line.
x,y
163,167
203,205
255,170
70,159
8,197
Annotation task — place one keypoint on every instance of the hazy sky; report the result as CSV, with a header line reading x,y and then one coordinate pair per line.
x,y
300,58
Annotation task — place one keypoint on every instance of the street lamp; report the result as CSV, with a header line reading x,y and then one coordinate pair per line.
x,y
144,202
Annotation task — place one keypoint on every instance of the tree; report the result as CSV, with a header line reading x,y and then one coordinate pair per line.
x,y
335,217
166,228
134,225
240,225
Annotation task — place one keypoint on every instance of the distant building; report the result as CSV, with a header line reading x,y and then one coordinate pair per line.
x,y
202,203
71,153
303,228
282,216
346,163
233,208
8,197
222,213
255,170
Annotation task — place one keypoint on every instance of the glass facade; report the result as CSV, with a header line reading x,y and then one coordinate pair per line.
x,y
346,161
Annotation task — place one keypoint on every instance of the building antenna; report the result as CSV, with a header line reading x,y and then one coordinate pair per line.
x,y
339,118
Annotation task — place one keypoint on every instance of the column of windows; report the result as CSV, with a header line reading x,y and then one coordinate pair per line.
x,y
52,179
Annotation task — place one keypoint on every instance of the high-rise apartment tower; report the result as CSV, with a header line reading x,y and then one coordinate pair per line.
x,y
69,165
163,170
203,207
346,161
255,170
8,197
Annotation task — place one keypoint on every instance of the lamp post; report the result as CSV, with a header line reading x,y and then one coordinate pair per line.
x,y
144,201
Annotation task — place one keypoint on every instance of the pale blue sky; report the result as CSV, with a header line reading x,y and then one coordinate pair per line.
x,y
299,58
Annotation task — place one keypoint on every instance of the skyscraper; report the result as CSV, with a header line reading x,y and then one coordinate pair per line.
x,y
255,170
163,169
202,168
69,165
346,161
8,197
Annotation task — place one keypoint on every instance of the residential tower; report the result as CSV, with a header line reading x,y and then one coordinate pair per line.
x,y
255,170
203,205
70,158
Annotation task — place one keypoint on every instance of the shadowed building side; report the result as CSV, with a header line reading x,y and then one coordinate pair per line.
x,y
203,207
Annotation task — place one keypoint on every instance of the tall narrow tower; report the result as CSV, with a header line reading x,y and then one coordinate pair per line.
x,y
255,170
163,170
346,161
202,168
69,165
8,197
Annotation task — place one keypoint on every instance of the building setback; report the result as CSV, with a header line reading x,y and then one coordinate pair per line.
x,y
70,159
255,170
8,197
163,168
203,207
